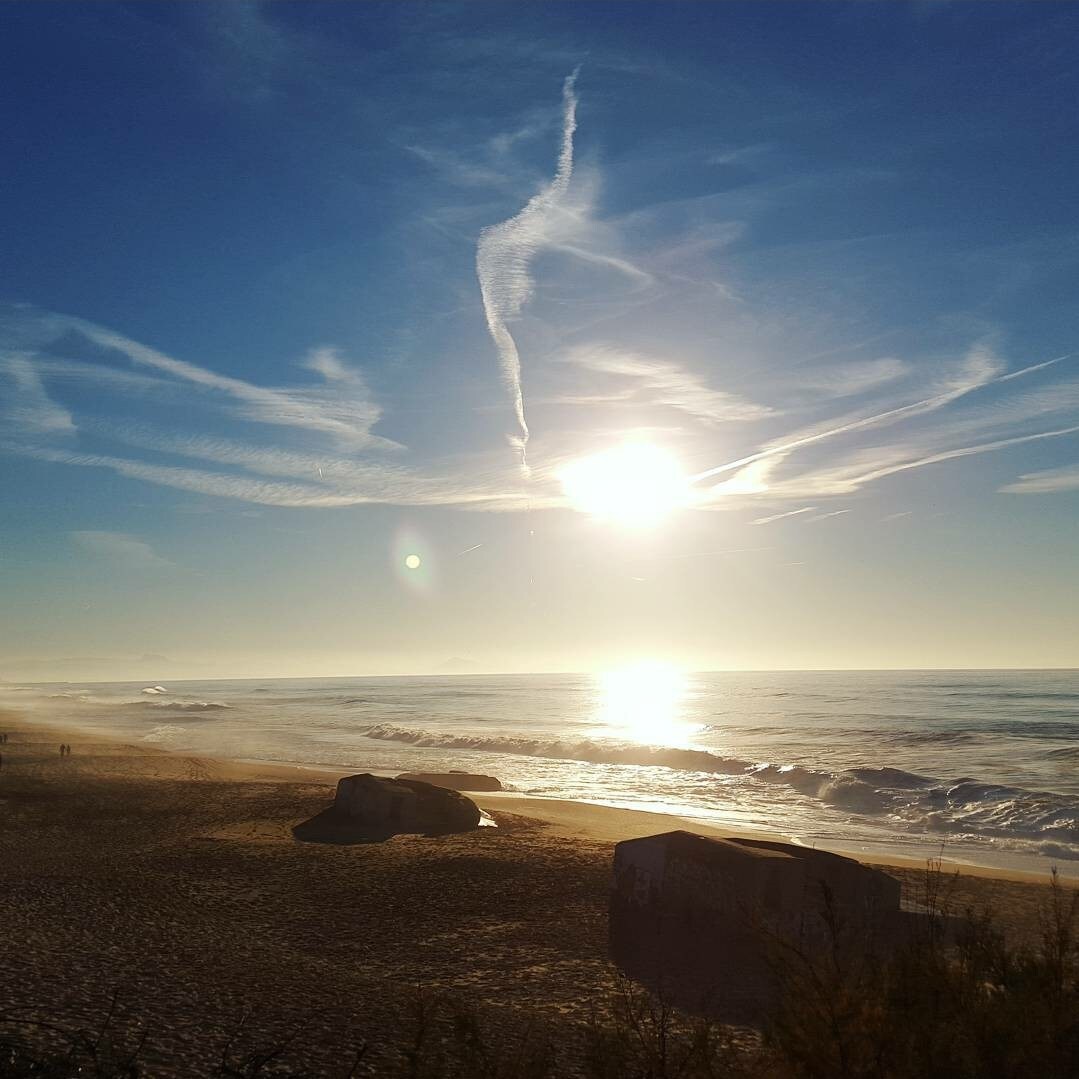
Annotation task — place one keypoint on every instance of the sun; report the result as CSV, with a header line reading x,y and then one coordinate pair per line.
x,y
636,484
645,703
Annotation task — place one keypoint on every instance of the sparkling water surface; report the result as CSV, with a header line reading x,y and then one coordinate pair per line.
x,y
980,766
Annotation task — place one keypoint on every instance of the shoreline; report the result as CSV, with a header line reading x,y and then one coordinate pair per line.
x,y
170,892
566,818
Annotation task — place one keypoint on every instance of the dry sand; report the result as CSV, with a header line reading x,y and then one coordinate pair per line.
x,y
175,882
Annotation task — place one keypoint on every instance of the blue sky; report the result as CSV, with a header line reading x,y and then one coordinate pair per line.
x,y
284,287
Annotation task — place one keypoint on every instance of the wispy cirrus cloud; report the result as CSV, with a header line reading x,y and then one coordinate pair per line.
x,y
1047,482
502,264
858,467
663,383
853,378
979,368
652,275
353,467
27,406
339,405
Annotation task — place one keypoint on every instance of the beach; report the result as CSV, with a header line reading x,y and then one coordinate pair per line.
x,y
173,883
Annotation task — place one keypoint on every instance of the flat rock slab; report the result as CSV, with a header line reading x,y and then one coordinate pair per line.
x,y
455,781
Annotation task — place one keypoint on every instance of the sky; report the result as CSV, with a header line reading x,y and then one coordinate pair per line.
x,y
314,318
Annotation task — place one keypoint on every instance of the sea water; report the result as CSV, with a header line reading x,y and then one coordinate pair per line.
x,y
977,766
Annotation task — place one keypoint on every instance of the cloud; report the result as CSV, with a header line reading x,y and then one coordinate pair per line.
x,y
788,422
854,378
666,383
341,407
783,516
127,551
950,455
26,405
457,170
503,256
378,486
751,480
980,368
1050,481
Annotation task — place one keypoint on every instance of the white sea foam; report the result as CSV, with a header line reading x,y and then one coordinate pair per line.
x,y
983,763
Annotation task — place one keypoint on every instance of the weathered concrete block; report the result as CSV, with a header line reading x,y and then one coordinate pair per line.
x,y
707,919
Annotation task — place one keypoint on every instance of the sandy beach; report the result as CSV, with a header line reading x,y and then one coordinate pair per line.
x,y
174,883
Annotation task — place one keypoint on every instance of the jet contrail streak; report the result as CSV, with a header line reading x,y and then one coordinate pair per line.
x,y
503,256
926,405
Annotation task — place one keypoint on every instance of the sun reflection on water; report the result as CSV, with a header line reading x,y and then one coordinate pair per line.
x,y
645,703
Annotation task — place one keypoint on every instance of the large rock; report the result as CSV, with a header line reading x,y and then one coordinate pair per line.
x,y
455,781
707,920
404,805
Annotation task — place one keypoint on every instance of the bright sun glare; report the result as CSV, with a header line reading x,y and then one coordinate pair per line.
x,y
644,703
636,484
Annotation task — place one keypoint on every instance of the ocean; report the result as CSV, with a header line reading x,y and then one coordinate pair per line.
x,y
979,767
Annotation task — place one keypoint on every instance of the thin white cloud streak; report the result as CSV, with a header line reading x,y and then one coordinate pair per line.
x,y
982,369
851,379
610,262
1051,481
503,257
343,483
783,516
33,426
668,383
754,479
852,476
962,451
129,552
355,481
460,172
263,492
341,406
28,406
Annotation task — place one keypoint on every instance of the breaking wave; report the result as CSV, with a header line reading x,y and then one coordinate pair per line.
x,y
586,750
180,706
916,802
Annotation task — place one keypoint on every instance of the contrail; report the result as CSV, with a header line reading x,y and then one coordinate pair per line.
x,y
926,405
502,261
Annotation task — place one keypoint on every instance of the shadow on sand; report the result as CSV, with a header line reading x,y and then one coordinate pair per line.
x,y
332,826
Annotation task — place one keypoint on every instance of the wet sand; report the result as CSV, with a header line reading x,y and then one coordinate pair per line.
x,y
174,882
